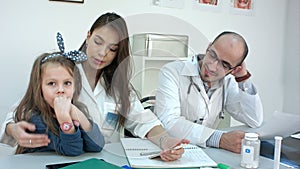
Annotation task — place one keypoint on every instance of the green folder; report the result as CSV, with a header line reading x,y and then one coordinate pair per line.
x,y
92,163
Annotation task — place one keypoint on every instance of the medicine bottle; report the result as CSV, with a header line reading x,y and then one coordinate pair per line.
x,y
250,150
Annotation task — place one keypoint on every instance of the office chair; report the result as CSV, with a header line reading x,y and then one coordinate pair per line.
x,y
148,102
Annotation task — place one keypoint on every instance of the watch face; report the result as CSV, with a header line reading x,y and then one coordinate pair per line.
x,y
66,126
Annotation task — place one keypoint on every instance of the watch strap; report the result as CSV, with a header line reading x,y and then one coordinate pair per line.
x,y
66,126
245,77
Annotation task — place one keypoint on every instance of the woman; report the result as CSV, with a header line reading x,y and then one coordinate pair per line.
x,y
107,93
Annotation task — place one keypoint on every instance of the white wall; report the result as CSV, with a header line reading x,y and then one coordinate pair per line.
x,y
291,59
28,29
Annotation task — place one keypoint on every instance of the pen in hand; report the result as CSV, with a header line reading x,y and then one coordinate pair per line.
x,y
149,153
155,154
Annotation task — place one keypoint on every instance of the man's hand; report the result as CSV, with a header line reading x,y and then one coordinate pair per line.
x,y
24,139
232,141
240,70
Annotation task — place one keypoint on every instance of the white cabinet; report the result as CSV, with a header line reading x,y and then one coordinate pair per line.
x,y
145,73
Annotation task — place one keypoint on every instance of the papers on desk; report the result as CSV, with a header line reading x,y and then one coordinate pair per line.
x,y
193,156
278,124
297,136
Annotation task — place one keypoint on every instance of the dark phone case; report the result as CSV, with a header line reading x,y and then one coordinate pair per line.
x,y
60,165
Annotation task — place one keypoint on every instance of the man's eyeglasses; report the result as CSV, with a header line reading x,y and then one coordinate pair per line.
x,y
213,57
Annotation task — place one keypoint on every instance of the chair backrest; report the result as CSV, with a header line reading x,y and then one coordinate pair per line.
x,y
148,102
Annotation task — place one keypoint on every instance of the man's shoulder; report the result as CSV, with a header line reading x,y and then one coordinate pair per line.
x,y
184,68
176,64
173,67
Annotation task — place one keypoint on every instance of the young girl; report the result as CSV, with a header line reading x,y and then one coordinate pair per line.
x,y
51,103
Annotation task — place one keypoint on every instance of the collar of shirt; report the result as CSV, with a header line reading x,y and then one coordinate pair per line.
x,y
86,86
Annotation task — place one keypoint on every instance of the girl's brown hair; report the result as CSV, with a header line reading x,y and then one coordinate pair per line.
x,y
33,100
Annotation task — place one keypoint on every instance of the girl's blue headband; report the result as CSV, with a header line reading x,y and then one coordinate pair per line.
x,y
76,56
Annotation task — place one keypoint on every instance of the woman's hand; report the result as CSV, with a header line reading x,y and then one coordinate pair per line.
x,y
171,148
24,139
161,138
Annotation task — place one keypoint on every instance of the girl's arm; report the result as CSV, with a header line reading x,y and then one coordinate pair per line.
x,y
62,108
93,140
79,116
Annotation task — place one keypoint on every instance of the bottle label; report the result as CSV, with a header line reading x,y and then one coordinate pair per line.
x,y
248,154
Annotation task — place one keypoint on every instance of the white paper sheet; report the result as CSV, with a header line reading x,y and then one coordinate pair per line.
x,y
297,136
193,156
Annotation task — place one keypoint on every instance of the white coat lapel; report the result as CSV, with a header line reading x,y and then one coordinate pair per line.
x,y
85,84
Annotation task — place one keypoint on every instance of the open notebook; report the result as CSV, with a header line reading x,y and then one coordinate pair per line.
x,y
193,156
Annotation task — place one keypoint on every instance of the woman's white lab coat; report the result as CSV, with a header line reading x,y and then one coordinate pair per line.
x,y
181,112
102,110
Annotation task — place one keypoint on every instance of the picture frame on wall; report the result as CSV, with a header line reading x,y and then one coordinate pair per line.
x,y
242,7
75,1
208,2
207,5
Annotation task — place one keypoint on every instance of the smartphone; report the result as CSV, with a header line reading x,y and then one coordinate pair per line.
x,y
60,165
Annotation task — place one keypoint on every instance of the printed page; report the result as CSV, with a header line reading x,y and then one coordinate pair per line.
x,y
135,146
296,136
194,156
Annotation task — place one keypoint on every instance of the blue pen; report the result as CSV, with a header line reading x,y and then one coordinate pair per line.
x,y
126,167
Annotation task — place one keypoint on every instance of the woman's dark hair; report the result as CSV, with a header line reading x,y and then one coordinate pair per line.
x,y
116,75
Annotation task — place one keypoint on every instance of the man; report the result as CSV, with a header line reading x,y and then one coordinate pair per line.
x,y
192,97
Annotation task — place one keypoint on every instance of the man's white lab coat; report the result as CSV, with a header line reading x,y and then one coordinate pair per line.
x,y
193,115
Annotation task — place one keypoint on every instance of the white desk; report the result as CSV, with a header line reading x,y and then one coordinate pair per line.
x,y
112,153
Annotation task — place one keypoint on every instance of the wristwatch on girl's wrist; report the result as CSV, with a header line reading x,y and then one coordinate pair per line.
x,y
66,126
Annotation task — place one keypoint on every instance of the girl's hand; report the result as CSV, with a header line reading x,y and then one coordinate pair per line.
x,y
62,107
75,113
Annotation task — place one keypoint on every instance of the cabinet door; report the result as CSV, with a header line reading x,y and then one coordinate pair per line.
x,y
145,73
